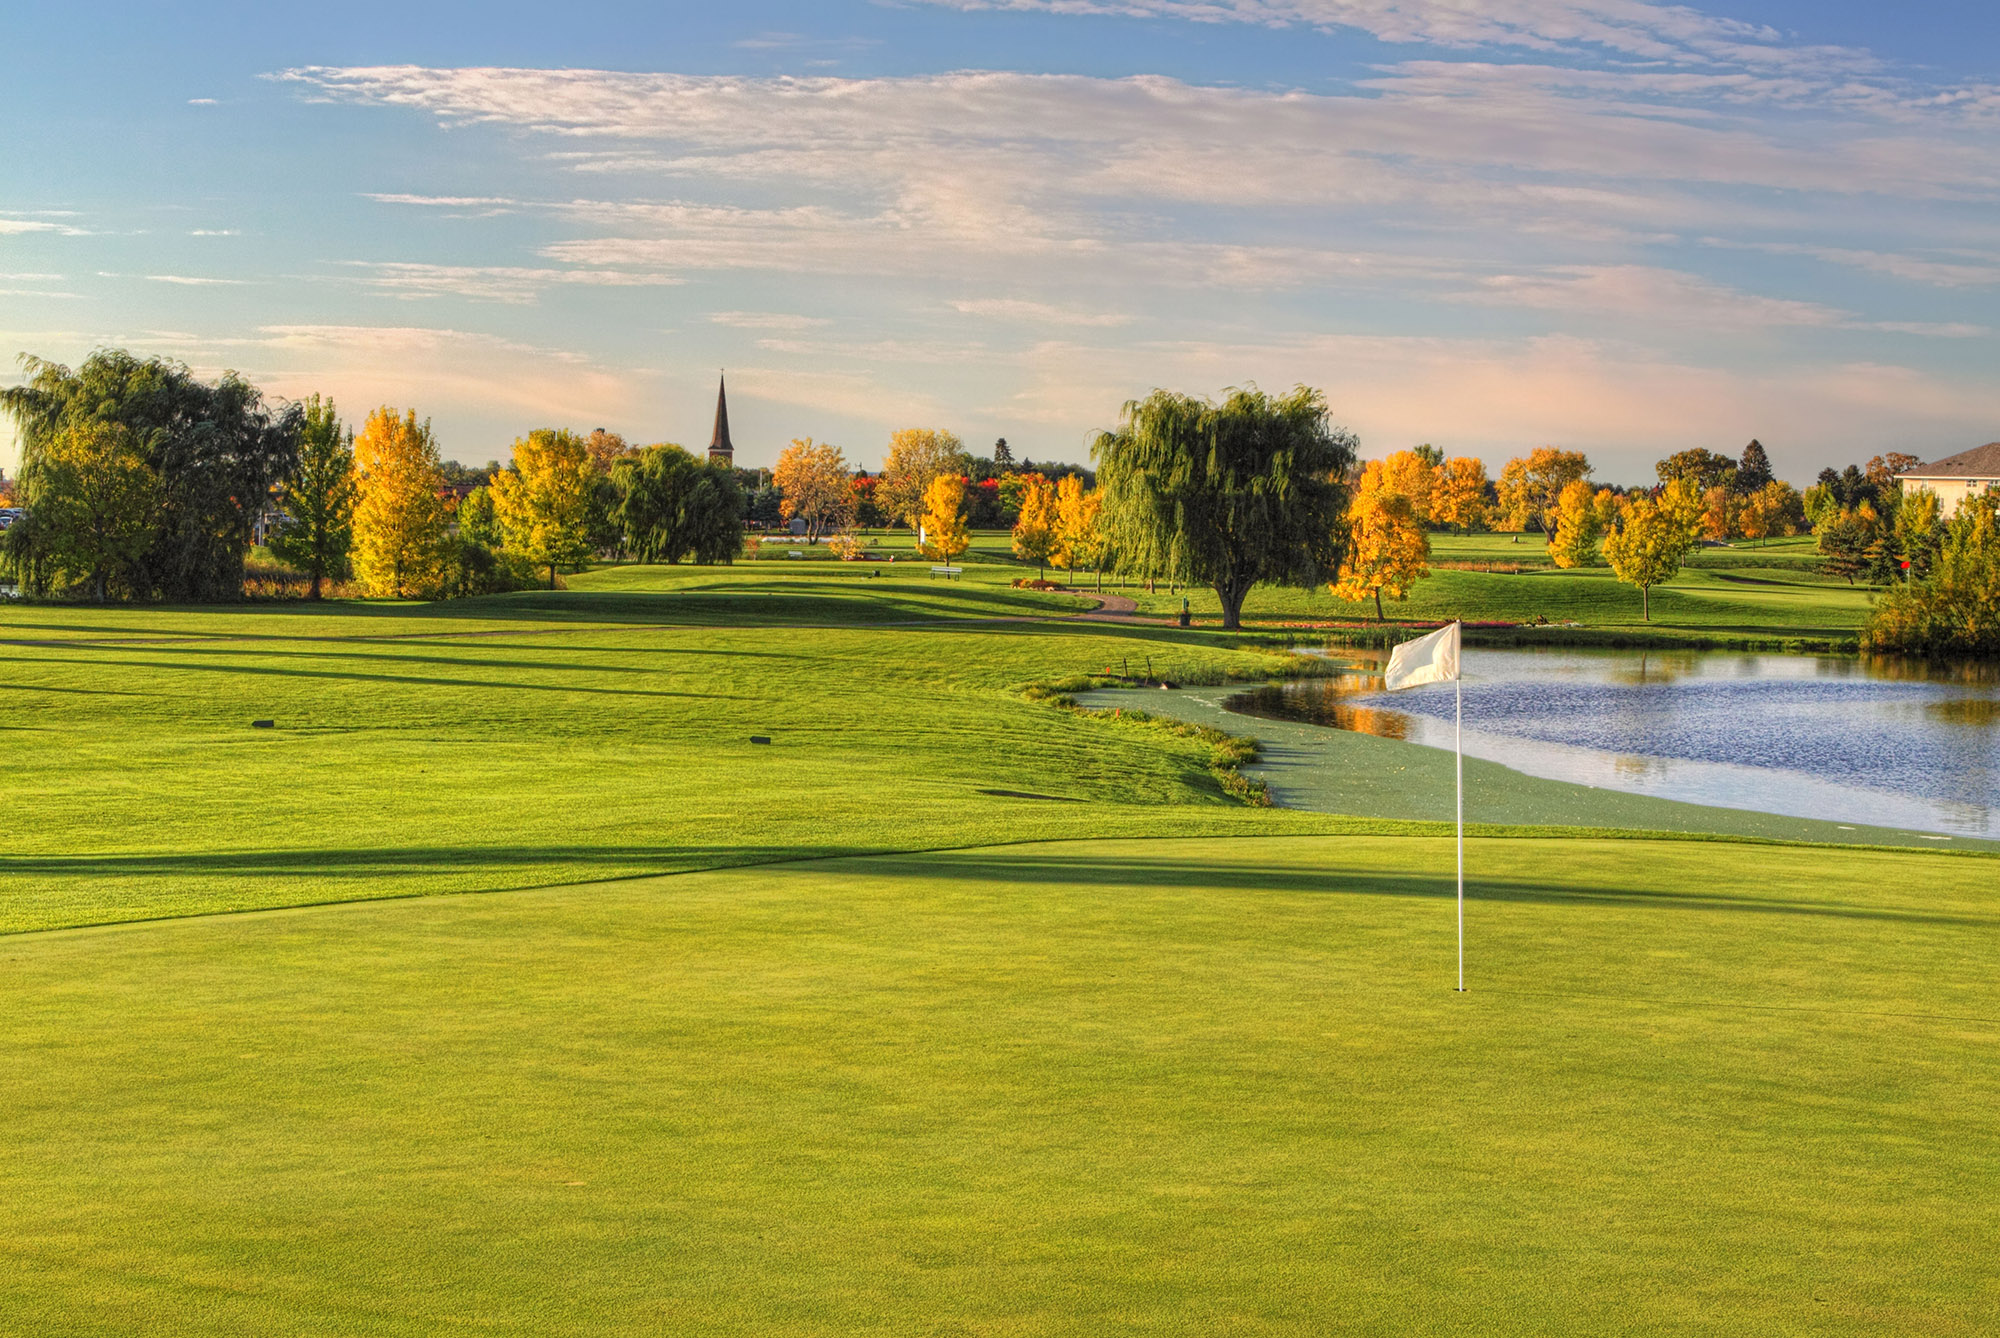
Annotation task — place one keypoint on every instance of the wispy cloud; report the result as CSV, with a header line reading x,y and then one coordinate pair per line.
x,y
1038,313
196,281
766,320
1669,33
16,225
490,283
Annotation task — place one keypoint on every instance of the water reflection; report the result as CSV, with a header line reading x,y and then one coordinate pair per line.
x,y
1876,741
1324,701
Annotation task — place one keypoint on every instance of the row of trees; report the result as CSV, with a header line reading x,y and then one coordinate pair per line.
x,y
382,499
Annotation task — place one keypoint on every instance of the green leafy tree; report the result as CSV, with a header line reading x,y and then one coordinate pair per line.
x,y
91,499
1227,495
318,526
543,503
674,508
1955,609
214,448
1646,548
478,521
1703,468
1919,533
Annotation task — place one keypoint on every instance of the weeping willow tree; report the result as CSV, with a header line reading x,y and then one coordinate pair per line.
x,y
673,507
1252,490
215,452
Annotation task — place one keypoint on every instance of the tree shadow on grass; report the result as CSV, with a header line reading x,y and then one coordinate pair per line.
x,y
411,680
373,861
1244,876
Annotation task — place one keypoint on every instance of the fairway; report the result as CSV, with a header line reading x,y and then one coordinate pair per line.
x,y
1086,1087
504,984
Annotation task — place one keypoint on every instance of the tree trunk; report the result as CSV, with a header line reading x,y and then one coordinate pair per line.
x,y
1232,604
1378,605
552,576
1646,603
314,592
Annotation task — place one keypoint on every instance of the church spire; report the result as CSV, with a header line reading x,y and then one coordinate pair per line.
x,y
720,451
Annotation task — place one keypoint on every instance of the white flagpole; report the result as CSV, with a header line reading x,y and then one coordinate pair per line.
x,y
1458,759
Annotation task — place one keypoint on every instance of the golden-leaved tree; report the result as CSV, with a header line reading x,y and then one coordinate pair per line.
x,y
1580,521
942,525
1531,486
1079,538
1646,547
816,486
1459,498
543,502
918,457
399,511
1413,474
1037,530
1388,551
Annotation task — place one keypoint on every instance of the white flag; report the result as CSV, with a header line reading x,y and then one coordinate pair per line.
x,y
1430,659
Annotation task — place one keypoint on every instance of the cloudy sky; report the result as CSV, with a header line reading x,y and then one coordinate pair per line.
x,y
1613,225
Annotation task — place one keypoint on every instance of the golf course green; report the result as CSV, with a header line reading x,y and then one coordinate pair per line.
x,y
503,984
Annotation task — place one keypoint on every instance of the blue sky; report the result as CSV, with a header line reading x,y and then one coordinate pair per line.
x,y
1604,224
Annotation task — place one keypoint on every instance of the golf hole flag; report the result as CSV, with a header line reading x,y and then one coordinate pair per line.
x,y
1434,659
1430,659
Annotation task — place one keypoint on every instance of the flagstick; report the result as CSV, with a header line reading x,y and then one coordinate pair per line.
x,y
1458,759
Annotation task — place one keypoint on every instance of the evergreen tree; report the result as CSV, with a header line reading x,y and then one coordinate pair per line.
x,y
1753,471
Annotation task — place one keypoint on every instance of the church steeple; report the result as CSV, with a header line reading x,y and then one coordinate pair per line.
x,y
720,451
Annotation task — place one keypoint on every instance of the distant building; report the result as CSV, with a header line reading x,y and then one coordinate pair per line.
x,y
1957,477
720,451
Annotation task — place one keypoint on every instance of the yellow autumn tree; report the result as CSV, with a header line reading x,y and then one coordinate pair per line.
x,y
1579,526
399,511
1459,498
1038,529
1388,551
1531,486
917,457
1646,547
1414,476
1682,504
1079,541
814,485
543,502
942,526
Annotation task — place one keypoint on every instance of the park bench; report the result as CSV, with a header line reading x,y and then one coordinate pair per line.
x,y
951,572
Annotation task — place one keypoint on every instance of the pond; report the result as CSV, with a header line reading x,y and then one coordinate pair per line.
x,y
1870,742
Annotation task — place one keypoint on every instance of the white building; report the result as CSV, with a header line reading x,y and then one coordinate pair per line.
x,y
1957,477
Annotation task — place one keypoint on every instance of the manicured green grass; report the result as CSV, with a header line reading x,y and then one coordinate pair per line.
x,y
546,738
1178,1065
1198,1086
1771,592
